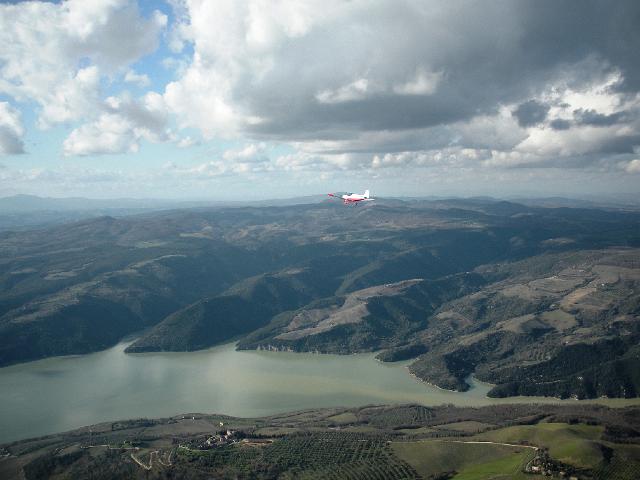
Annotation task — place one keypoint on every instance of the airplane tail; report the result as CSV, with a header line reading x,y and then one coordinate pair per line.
x,y
366,194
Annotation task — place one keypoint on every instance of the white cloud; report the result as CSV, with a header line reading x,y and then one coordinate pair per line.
x,y
252,153
148,115
357,90
121,128
187,142
110,133
252,158
344,81
633,166
199,100
499,131
300,161
141,80
576,141
352,87
45,46
11,130
424,83
591,124
579,135
245,161
448,157
75,98
314,162
218,168
506,159
600,96
290,53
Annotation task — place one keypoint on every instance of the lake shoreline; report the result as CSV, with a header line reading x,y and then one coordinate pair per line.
x,y
98,387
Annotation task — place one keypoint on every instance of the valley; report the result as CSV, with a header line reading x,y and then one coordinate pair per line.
x,y
481,322
526,298
319,240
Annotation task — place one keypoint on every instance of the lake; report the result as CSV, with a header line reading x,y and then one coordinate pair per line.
x,y
62,393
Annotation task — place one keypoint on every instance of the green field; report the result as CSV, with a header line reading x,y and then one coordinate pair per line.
x,y
471,461
308,445
343,418
571,444
505,468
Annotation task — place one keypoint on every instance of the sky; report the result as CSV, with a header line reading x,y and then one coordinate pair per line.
x,y
213,99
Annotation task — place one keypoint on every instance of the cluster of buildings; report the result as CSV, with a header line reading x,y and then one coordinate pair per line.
x,y
543,464
219,439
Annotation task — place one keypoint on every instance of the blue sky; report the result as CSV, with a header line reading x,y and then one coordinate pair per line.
x,y
259,99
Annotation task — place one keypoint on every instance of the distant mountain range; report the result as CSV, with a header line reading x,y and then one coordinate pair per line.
x,y
28,203
34,203
538,301
21,212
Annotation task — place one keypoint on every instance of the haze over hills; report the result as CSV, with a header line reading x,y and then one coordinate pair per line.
x,y
463,286
35,203
31,211
19,212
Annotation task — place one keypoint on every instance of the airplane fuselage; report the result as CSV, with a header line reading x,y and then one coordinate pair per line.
x,y
353,198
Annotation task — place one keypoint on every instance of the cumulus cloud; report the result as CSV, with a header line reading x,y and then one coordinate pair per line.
x,y
120,128
633,166
252,158
316,162
253,153
141,80
451,157
11,130
244,161
424,83
382,86
76,97
338,79
610,126
356,90
45,47
108,134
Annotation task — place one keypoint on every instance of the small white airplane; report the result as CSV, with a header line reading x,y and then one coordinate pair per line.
x,y
353,198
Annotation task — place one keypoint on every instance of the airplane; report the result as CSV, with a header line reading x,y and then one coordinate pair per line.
x,y
353,198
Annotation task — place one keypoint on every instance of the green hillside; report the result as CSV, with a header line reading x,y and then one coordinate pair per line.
x,y
245,307
527,298
373,442
464,461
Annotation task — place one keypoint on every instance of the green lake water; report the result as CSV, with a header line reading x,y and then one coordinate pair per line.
x,y
62,393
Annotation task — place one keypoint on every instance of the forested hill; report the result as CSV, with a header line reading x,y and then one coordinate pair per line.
x,y
400,276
